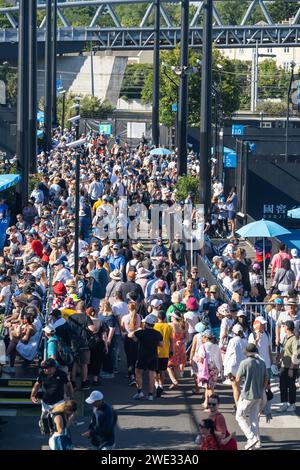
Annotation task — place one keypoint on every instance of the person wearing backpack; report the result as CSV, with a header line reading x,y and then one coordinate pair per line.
x,y
57,349
62,417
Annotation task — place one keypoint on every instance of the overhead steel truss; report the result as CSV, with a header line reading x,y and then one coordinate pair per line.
x,y
141,36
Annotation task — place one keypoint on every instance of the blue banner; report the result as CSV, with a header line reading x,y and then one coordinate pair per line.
x,y
4,224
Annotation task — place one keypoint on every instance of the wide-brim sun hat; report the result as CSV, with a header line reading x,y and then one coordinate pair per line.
x,y
116,275
200,327
224,310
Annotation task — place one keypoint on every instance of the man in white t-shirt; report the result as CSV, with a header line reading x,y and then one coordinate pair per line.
x,y
62,274
5,292
295,262
262,340
120,309
292,313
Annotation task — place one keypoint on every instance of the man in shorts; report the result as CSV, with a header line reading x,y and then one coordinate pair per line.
x,y
165,351
148,340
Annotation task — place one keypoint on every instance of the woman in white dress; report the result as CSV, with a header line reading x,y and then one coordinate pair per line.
x,y
234,356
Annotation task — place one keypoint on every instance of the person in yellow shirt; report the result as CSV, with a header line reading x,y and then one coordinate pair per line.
x,y
165,351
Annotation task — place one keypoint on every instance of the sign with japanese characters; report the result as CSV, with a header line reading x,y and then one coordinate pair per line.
x,y
275,211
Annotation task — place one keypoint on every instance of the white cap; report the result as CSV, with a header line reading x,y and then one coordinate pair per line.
x,y
49,329
150,319
237,328
156,303
294,252
241,313
94,396
261,320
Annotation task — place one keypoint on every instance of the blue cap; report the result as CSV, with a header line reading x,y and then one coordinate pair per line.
x,y
278,301
200,327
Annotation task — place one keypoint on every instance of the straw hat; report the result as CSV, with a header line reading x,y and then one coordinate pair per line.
x,y
70,283
116,275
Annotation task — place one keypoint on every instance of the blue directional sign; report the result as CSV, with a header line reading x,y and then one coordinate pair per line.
x,y
237,130
230,160
174,108
59,84
106,128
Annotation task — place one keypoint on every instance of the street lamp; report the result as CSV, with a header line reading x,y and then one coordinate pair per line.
x,y
77,143
176,85
292,65
63,92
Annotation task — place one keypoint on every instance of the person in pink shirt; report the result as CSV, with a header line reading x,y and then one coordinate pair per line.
x,y
277,259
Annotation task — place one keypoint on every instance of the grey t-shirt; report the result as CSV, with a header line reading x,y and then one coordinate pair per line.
x,y
254,371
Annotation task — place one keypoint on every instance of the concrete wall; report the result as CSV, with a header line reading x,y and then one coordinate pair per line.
x,y
75,73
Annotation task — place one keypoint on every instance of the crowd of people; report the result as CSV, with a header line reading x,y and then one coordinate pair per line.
x,y
144,300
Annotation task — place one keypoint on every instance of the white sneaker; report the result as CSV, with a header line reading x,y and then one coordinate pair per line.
x,y
227,382
257,445
138,396
283,408
291,408
251,443
150,397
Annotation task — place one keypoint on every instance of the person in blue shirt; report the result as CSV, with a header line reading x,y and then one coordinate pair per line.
x,y
159,250
52,343
117,261
3,209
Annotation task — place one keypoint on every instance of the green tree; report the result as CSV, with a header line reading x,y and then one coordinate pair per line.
x,y
232,11
133,81
225,81
272,108
273,81
185,185
4,22
281,10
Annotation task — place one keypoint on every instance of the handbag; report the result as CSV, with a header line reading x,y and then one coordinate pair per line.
x,y
203,371
273,288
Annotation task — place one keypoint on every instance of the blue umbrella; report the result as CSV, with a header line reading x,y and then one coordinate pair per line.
x,y
263,229
294,213
160,151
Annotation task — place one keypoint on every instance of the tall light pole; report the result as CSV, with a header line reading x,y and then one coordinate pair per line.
x,y
62,92
32,147
54,66
183,91
176,86
92,69
48,76
293,65
206,106
23,105
155,104
254,75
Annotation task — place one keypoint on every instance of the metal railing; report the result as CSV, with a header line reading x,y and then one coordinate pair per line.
x,y
254,309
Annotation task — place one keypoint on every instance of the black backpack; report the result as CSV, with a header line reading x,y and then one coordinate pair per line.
x,y
46,424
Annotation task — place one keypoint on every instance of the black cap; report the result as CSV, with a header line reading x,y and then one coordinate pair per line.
x,y
48,363
290,325
251,348
233,307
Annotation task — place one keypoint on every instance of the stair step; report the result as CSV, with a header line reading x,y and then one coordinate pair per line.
x,y
15,390
17,382
16,402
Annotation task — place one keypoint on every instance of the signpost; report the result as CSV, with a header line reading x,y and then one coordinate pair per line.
x,y
106,128
237,130
230,160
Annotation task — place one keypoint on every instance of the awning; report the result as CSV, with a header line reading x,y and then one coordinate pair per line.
x,y
292,240
6,181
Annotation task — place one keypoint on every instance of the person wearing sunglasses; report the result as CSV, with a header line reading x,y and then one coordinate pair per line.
x,y
209,440
227,440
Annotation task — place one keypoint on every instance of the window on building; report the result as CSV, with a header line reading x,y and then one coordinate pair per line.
x,y
270,50
286,50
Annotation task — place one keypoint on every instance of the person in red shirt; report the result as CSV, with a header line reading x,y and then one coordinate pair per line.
x,y
36,244
209,439
277,259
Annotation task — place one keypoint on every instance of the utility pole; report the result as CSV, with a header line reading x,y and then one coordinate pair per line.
x,y
48,76
206,107
183,91
155,105
288,112
32,147
54,66
23,105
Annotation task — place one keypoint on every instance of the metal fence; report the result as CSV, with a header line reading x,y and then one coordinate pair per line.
x,y
254,309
